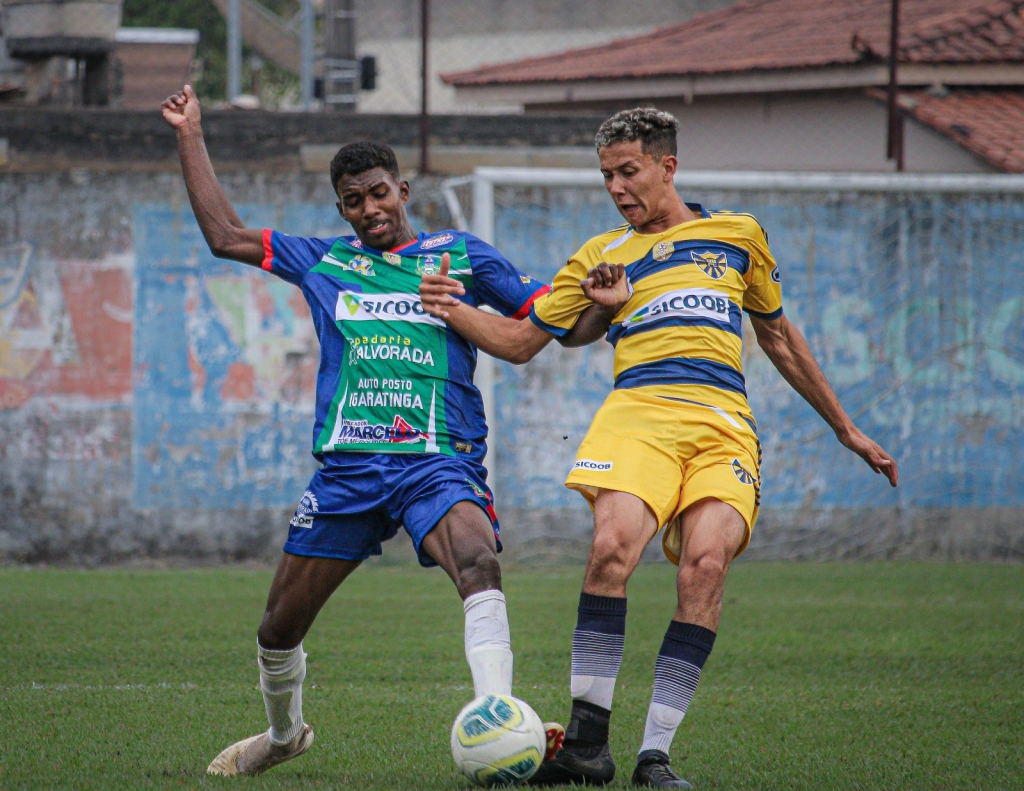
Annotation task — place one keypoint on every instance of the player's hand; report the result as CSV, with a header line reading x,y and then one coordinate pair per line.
x,y
438,292
873,453
181,110
607,285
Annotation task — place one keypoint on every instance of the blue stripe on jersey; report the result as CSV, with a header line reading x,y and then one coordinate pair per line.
x,y
682,371
618,331
736,257
766,316
558,332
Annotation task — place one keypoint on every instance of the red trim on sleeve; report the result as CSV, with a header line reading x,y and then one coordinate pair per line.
x,y
400,247
524,310
268,250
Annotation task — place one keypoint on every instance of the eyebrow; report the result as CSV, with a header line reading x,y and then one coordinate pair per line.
x,y
356,191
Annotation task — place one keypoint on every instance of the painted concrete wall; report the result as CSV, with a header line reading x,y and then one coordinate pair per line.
x,y
156,403
832,131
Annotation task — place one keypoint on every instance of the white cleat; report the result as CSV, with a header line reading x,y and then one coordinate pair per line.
x,y
256,754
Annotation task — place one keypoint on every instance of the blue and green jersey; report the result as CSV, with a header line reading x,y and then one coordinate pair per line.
x,y
393,378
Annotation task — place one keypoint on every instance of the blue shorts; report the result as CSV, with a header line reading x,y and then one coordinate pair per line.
x,y
359,500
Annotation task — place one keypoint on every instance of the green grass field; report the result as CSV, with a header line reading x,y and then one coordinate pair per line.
x,y
824,676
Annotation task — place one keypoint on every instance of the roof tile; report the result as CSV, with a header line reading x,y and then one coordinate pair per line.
x,y
989,123
777,34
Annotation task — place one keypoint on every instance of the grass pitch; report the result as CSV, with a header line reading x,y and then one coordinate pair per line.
x,y
824,676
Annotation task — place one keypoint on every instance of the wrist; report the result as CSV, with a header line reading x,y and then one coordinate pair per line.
x,y
845,432
189,129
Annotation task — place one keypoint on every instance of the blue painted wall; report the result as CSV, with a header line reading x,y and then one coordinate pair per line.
x,y
914,305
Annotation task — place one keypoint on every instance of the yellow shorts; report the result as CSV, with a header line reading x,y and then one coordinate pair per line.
x,y
670,454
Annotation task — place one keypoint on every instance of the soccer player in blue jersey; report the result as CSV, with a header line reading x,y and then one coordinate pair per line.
x,y
399,426
675,444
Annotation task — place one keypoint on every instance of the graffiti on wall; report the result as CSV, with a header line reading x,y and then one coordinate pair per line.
x,y
225,369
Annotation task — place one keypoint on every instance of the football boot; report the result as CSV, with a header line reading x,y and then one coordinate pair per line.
x,y
257,754
652,771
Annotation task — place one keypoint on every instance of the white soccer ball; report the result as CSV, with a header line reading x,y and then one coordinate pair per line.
x,y
498,740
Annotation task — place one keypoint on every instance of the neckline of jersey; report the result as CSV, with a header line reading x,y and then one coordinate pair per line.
x,y
397,248
694,207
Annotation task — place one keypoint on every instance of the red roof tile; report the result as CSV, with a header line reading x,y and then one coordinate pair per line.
x,y
777,34
988,123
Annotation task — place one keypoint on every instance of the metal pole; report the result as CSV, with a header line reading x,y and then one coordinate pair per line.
x,y
234,50
307,54
895,148
424,85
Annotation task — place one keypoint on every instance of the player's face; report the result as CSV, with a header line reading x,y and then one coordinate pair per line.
x,y
373,202
640,185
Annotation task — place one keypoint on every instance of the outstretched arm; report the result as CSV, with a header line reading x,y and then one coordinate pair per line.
x,y
507,339
787,348
222,228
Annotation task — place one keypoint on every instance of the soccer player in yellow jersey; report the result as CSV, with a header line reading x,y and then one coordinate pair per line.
x,y
675,444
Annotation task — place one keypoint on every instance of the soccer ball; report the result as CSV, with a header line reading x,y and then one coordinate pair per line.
x,y
498,740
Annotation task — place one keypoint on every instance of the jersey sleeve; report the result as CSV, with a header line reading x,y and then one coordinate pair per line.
x,y
763,295
291,257
499,284
558,311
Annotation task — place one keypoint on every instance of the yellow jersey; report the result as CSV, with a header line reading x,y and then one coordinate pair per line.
x,y
680,334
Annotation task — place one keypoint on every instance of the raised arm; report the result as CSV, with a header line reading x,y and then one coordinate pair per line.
x,y
222,228
787,348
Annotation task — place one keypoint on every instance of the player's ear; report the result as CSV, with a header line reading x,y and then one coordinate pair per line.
x,y
403,191
671,165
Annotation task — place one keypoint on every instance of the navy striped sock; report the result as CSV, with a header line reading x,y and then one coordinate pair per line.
x,y
597,647
683,653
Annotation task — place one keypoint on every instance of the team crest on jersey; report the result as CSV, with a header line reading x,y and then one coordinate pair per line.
x,y
437,241
712,264
662,250
393,258
428,265
744,475
362,265
356,243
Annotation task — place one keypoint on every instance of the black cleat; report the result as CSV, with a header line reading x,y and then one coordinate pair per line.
x,y
586,765
652,772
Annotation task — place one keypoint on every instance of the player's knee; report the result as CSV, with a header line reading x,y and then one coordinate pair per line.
x,y
705,566
609,557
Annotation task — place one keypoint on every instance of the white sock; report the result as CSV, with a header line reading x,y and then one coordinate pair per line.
x,y
281,675
488,644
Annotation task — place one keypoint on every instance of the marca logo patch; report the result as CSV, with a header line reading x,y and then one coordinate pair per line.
x,y
703,303
382,307
437,241
593,466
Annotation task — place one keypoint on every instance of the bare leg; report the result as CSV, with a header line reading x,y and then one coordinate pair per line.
x,y
623,526
301,587
713,532
463,545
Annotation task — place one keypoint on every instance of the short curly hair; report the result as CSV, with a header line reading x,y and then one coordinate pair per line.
x,y
655,129
357,158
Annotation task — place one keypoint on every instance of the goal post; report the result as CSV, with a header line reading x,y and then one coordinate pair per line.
x,y
907,286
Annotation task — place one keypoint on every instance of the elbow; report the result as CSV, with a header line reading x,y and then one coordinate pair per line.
x,y
519,356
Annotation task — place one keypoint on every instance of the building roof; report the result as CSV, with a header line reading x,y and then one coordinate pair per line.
x,y
989,123
783,34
